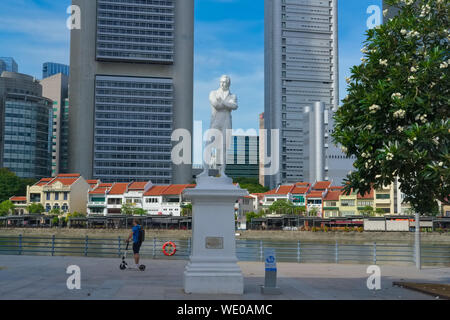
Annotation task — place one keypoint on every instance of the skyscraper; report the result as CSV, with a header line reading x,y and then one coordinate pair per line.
x,y
25,126
56,88
2,66
51,68
301,59
243,157
11,64
131,85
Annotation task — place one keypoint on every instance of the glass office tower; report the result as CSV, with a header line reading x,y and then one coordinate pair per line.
x,y
51,68
25,126
243,157
11,64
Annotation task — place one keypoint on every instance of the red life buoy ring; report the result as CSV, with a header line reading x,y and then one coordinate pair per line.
x,y
171,250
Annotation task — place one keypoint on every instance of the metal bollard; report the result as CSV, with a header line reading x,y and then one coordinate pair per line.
x,y
270,281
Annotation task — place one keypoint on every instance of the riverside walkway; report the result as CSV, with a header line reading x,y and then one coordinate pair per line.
x,y
44,277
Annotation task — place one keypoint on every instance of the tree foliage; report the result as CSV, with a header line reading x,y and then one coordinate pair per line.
x,y
131,209
251,184
35,208
395,119
6,208
284,206
12,185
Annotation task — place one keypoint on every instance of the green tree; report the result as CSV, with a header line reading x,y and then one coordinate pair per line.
x,y
6,208
395,119
56,211
368,211
186,210
313,212
12,185
127,209
139,212
251,184
35,208
282,206
253,215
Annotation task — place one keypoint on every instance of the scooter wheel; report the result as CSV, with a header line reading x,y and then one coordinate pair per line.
x,y
123,266
142,267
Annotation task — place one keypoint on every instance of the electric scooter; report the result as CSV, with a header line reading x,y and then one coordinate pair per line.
x,y
124,265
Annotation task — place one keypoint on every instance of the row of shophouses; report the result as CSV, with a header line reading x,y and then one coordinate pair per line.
x,y
71,193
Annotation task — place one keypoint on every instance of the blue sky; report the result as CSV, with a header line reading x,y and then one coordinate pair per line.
x,y
229,39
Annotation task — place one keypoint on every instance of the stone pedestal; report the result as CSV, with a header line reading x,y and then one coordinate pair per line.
x,y
213,267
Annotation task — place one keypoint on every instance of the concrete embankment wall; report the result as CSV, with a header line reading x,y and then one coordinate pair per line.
x,y
434,237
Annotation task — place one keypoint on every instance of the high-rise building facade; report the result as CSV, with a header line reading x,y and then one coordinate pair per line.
x,y
243,157
51,68
301,59
2,66
56,88
11,64
131,86
25,126
64,138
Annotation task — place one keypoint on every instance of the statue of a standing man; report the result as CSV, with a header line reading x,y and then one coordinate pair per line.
x,y
222,104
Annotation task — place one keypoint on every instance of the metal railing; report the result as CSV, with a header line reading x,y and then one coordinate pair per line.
x,y
246,250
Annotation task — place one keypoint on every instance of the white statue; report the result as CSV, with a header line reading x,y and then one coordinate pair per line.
x,y
222,104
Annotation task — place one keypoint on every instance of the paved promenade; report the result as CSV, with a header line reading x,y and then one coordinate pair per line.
x,y
34,277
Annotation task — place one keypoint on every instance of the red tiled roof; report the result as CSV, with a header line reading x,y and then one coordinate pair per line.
x,y
137,186
101,189
335,188
15,198
299,190
43,181
315,194
369,195
322,185
332,196
93,182
118,188
303,184
281,190
156,191
68,175
260,196
176,189
64,181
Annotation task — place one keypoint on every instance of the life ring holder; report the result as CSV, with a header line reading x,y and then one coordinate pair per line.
x,y
169,252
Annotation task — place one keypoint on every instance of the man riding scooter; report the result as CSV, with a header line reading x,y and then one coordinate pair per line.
x,y
135,234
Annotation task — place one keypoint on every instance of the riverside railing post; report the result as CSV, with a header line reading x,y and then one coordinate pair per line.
x,y
417,242
20,244
336,252
154,248
120,246
86,246
261,250
298,251
53,245
374,253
